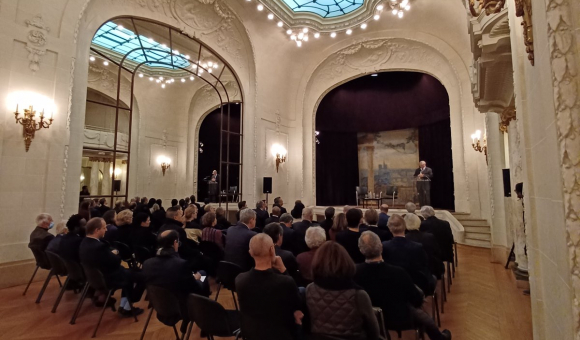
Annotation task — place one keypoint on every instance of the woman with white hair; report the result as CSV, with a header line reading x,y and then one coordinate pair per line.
x,y
315,237
429,244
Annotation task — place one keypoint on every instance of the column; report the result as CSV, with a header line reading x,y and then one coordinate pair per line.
x,y
94,184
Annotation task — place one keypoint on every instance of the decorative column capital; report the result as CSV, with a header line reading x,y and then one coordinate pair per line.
x,y
506,117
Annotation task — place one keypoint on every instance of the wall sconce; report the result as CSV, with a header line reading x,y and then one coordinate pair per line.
x,y
316,134
30,125
478,144
279,153
200,147
117,172
165,163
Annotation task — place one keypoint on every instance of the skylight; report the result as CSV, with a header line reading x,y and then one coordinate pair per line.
x,y
122,40
324,8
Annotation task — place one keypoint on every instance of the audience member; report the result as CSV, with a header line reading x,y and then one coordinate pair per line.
x,y
275,231
428,242
269,302
349,238
210,233
408,255
222,222
328,221
174,221
182,204
97,254
40,237
238,242
150,204
84,193
110,217
274,216
338,225
141,234
160,203
119,206
157,217
94,208
384,217
337,308
441,230
60,231
288,242
372,218
174,202
103,208
71,242
411,208
85,209
297,210
193,201
241,206
315,237
190,215
209,208
125,226
346,208
279,202
392,289
300,230
261,215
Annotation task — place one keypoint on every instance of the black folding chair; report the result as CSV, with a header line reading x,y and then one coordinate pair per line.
x,y
226,277
125,253
212,318
213,253
142,254
76,274
58,268
96,280
41,262
381,319
167,306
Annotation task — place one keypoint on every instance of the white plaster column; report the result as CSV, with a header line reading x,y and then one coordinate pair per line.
x,y
94,178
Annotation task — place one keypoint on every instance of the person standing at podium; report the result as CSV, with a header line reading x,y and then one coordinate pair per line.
x,y
424,174
213,186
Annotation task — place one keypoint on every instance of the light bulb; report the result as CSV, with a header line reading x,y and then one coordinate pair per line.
x,y
187,56
175,52
140,75
150,78
380,7
191,78
400,14
395,12
317,35
209,71
157,81
120,27
210,64
164,46
162,86
280,24
106,63
260,7
194,66
215,66
404,3
299,43
305,30
408,7
377,17
292,37
270,16
300,35
363,26
183,80
333,35
92,58
289,32
160,78
200,71
349,31
305,38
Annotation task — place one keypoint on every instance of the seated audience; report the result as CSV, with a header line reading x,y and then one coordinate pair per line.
x,y
150,204
241,206
210,233
346,208
428,242
190,216
208,207
238,242
328,221
119,206
261,216
98,255
125,226
69,246
222,222
274,216
408,255
103,208
372,218
142,235
269,301
85,209
392,289
279,202
157,217
297,210
315,237
384,217
288,242
338,308
40,237
110,218
182,204
174,202
441,230
300,230
160,204
349,238
275,231
411,207
338,225
94,208
60,231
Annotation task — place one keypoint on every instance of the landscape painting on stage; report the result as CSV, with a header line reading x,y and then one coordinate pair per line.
x,y
389,158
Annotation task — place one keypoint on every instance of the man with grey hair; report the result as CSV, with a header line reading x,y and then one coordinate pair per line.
x,y
408,255
424,174
411,207
275,231
300,230
392,289
261,215
40,237
238,240
288,243
315,237
441,230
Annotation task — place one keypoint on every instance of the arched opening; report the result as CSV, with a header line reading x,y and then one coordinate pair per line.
x,y
373,131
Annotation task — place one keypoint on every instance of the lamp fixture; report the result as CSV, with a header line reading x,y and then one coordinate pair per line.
x,y
200,147
30,125
316,134
479,144
165,163
279,153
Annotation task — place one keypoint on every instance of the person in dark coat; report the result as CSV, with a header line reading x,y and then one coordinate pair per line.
x,y
238,240
315,237
384,217
222,222
275,231
392,289
174,221
157,217
160,204
103,207
328,221
241,206
71,242
85,209
125,226
142,235
408,255
288,241
94,209
428,242
98,255
60,231
110,218
279,202
300,231
297,210
372,218
261,215
441,230
269,301
40,237
349,238
274,216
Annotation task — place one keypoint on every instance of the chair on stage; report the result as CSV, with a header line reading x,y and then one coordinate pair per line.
x,y
392,193
361,192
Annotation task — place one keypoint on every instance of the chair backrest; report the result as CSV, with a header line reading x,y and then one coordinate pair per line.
x,y
362,190
166,305
57,263
124,251
75,271
227,273
142,254
40,257
211,250
233,189
209,315
391,189
95,278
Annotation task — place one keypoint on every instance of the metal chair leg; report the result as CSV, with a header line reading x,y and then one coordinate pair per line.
x,y
433,307
44,286
444,294
176,334
218,291
189,330
102,312
79,304
132,309
58,279
57,302
448,279
146,324
31,278
453,268
456,261
449,273
235,302
436,303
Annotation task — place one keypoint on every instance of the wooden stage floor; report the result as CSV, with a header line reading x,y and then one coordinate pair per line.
x,y
484,303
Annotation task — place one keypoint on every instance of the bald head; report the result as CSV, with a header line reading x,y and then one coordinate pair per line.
x,y
261,247
385,208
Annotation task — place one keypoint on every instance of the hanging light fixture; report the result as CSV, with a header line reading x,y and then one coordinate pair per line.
x,y
398,7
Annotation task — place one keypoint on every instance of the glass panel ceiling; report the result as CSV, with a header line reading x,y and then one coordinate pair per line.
x,y
122,40
324,8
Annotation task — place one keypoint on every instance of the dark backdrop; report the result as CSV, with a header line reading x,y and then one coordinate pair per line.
x,y
390,101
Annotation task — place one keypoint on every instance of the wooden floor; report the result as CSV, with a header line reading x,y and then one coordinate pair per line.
x,y
484,303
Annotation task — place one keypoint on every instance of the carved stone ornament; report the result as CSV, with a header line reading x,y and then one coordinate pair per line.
x,y
37,38
505,118
489,6
524,10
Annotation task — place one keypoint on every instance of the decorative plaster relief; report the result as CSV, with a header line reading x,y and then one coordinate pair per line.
x,y
524,10
505,118
564,60
37,35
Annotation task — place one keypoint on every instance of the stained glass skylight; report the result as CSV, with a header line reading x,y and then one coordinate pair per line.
x,y
122,40
324,8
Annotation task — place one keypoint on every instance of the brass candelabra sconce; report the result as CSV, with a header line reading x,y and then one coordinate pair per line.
x,y
479,144
30,125
279,153
165,163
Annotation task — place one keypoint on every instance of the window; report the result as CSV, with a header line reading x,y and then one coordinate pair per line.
x,y
324,8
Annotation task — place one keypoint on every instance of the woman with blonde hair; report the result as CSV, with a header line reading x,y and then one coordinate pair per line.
x,y
124,226
339,224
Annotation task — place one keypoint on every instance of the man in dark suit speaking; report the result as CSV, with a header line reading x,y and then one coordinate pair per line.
x,y
424,176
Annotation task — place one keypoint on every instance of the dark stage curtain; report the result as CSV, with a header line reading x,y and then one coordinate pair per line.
x,y
336,168
435,149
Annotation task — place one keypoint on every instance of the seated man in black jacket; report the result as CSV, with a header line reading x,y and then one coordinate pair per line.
x,y
391,289
238,240
69,246
275,231
96,254
274,216
269,301
441,230
40,237
261,215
